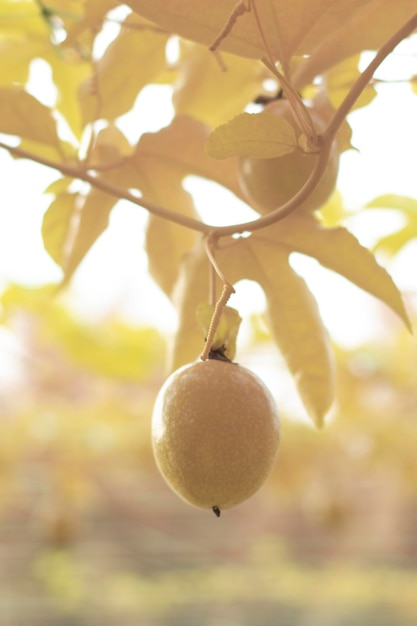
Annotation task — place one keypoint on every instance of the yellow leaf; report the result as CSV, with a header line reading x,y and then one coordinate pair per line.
x,y
72,224
264,135
83,16
191,289
167,243
56,225
325,33
340,78
22,115
212,89
200,22
338,250
393,201
16,55
24,16
296,326
59,186
392,244
93,220
348,28
132,60
69,72
109,148
61,151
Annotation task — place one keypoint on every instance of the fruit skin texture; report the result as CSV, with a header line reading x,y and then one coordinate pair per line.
x,y
215,433
270,183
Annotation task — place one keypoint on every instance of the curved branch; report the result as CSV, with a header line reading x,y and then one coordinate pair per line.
x,y
178,218
287,208
113,190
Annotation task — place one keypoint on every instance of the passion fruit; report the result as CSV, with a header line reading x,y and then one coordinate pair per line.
x,y
270,183
215,433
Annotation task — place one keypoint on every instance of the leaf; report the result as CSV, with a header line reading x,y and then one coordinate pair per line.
x,y
16,55
82,21
263,135
167,243
72,224
23,17
334,211
56,226
202,23
132,60
323,32
351,32
212,89
338,250
392,244
340,78
191,288
22,115
296,327
393,201
69,72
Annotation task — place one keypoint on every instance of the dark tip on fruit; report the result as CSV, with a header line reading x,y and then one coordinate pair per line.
x,y
216,511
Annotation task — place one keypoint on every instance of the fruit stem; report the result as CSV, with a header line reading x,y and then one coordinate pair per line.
x,y
227,291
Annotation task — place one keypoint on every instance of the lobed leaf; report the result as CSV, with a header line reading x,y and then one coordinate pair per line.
x,y
323,32
338,250
263,135
296,325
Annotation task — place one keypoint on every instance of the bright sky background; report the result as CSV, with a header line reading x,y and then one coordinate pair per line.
x,y
113,277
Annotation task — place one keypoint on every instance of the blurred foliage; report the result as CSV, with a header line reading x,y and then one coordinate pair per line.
x,y
331,535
